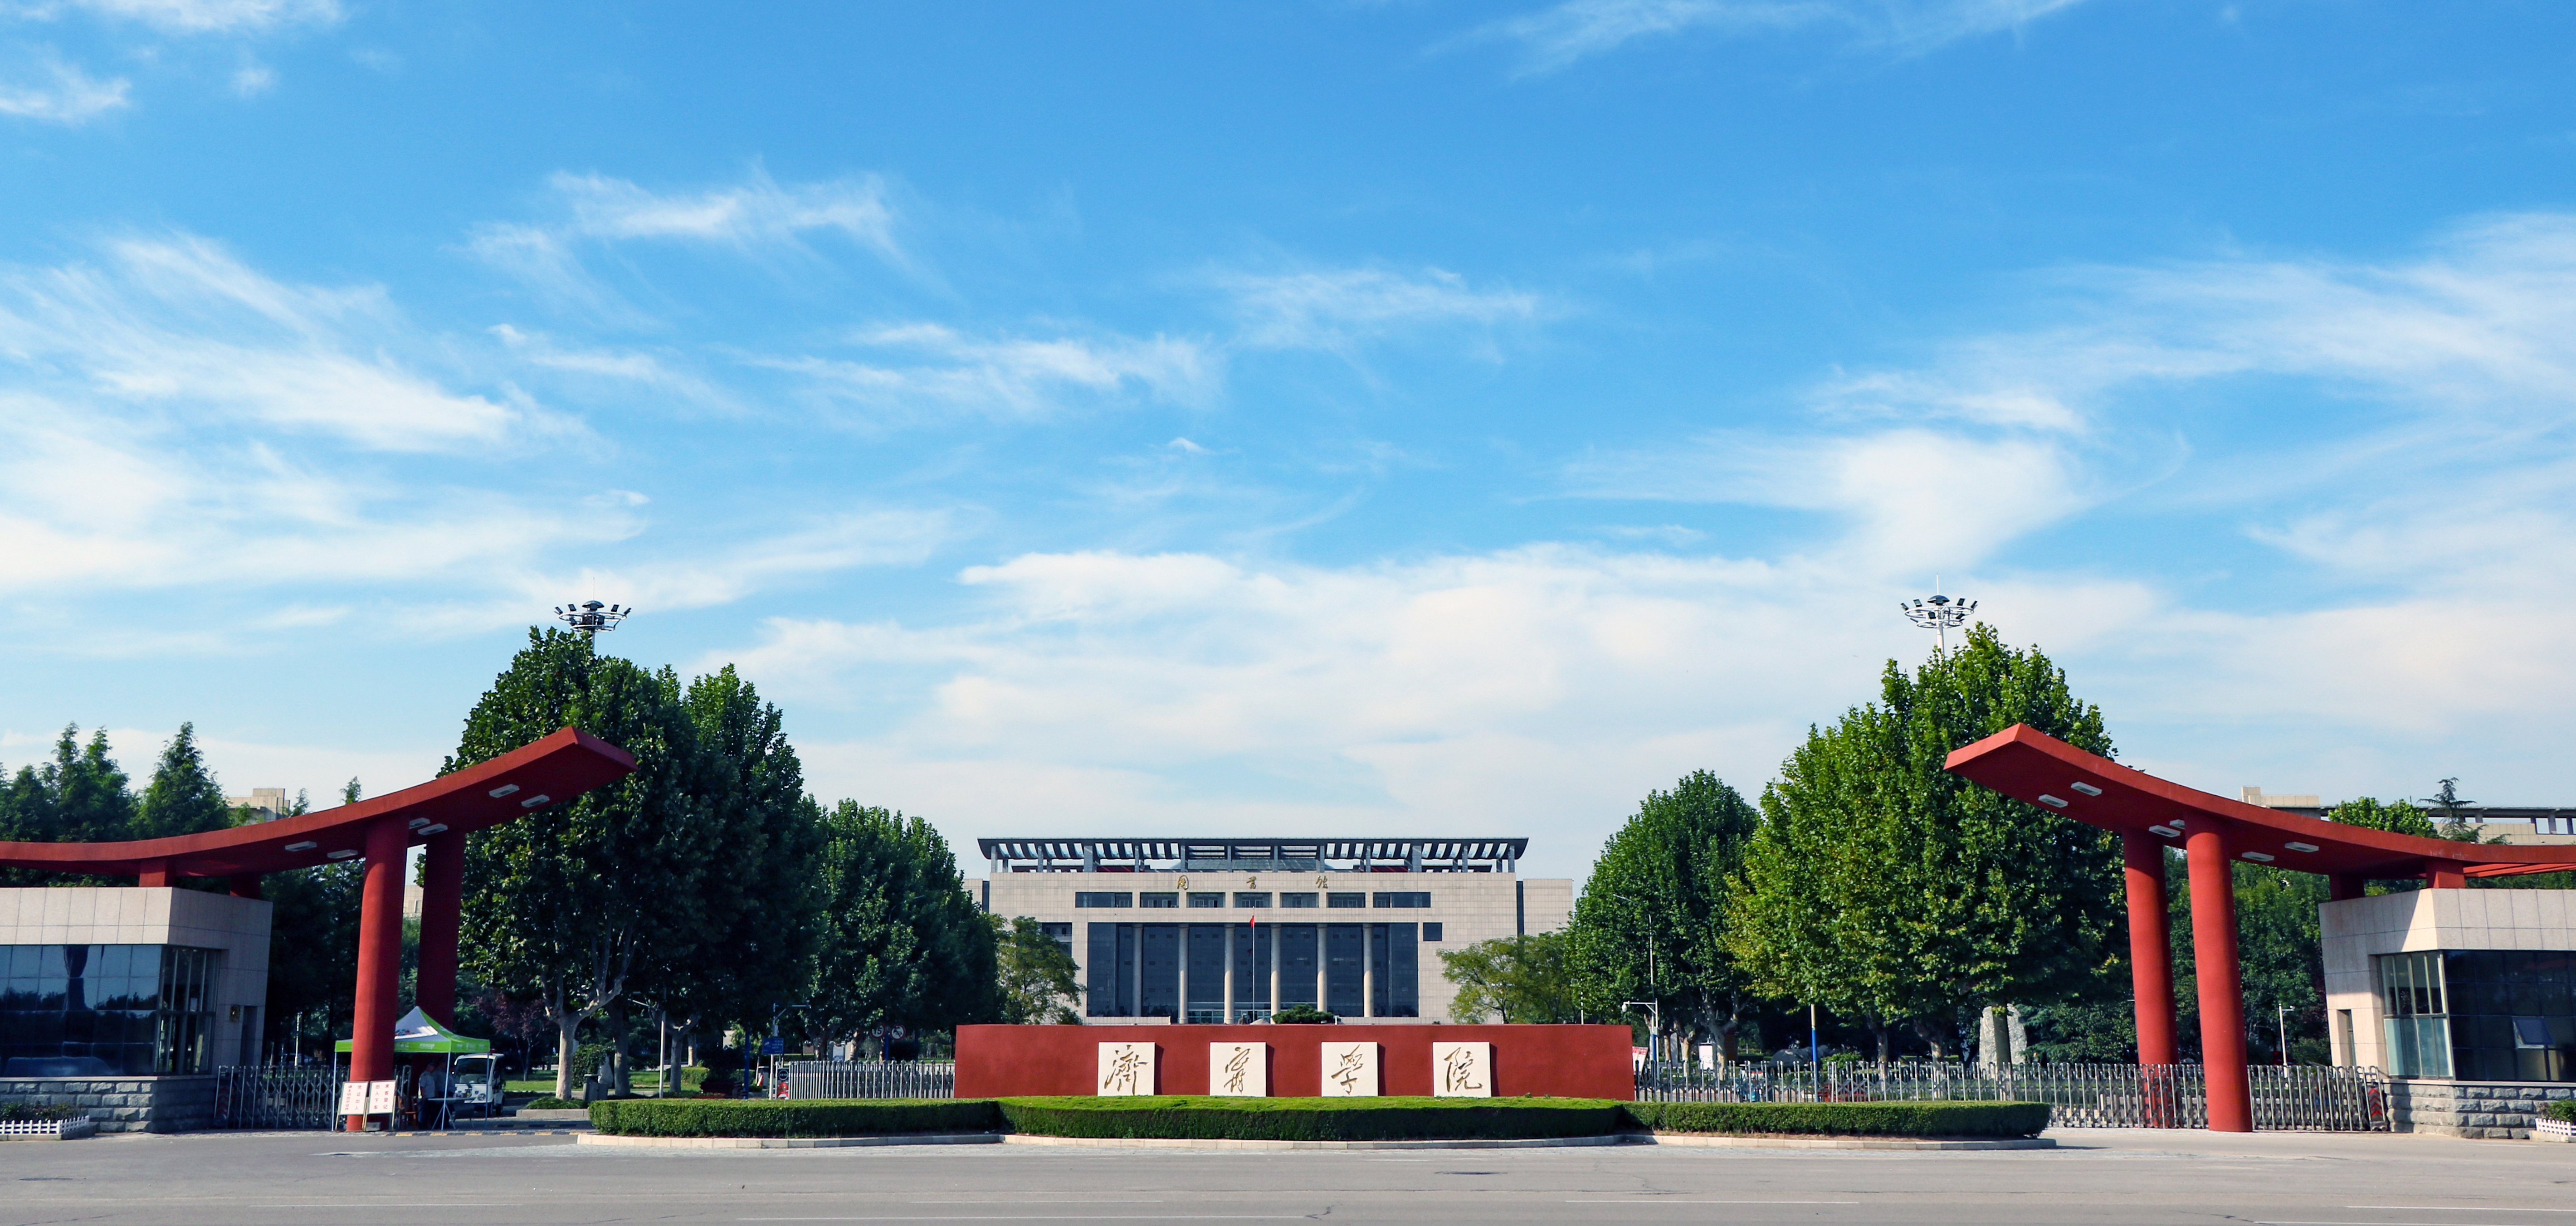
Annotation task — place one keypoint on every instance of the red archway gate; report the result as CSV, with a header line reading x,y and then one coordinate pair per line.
x,y
2151,814
437,814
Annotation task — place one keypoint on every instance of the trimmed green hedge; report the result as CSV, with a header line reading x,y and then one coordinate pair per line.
x,y
812,1117
1302,1119
2563,1109
1312,1119
1894,1119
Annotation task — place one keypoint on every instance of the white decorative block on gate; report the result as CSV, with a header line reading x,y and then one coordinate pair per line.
x,y
1239,1070
1126,1069
1350,1070
1462,1070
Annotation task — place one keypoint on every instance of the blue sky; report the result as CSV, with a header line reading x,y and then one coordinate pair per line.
x,y
1273,417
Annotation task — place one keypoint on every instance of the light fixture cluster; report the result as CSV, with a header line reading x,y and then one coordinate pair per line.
x,y
591,617
2170,828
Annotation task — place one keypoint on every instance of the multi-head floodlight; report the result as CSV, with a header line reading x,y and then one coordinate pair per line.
x,y
590,617
1939,614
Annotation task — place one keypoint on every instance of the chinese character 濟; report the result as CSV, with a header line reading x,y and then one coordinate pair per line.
x,y
1125,1069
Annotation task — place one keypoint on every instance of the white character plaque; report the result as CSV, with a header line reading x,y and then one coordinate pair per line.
x,y
1239,1070
1350,1070
1127,1069
1462,1070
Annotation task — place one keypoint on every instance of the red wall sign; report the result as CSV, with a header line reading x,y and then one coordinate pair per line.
x,y
1555,1061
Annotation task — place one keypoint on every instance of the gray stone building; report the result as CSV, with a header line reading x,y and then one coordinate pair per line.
x,y
1218,930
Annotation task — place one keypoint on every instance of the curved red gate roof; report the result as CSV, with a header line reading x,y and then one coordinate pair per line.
x,y
559,767
2029,765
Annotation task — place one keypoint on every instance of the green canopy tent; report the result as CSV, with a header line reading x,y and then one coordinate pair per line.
x,y
417,1035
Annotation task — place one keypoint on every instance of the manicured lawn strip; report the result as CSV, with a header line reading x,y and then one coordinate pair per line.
x,y
813,1117
1892,1119
1313,1119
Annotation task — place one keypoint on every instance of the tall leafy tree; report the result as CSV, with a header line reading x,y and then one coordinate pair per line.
x,y
1649,923
1528,979
759,903
566,904
1035,977
902,944
1883,887
183,797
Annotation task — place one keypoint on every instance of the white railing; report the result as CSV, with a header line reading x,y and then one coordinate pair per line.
x,y
872,1079
2081,1095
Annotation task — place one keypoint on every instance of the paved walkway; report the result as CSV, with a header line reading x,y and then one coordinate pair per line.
x,y
2095,1176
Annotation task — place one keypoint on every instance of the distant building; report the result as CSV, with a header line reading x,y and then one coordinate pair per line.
x,y
2495,823
1217,930
270,803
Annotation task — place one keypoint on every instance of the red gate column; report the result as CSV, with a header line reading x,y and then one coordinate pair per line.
x,y
2150,951
442,903
371,1034
2222,991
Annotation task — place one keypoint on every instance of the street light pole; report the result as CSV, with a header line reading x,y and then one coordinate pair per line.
x,y
1938,613
590,617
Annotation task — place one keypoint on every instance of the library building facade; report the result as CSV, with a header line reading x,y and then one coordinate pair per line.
x,y
1231,930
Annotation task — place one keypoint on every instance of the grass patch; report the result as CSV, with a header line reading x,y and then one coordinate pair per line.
x,y
1897,1119
1313,1119
770,1117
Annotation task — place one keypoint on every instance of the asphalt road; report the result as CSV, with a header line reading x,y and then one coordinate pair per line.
x,y
2283,1179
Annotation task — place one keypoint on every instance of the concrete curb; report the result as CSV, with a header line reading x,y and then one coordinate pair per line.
x,y
1021,1138
971,1138
1718,1142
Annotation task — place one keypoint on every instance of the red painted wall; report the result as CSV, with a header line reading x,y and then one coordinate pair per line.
x,y
1559,1061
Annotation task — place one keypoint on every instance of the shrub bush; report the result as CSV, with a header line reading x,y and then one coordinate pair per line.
x,y
1302,1015
2563,1109
812,1117
1312,1119
550,1103
1901,1119
38,1111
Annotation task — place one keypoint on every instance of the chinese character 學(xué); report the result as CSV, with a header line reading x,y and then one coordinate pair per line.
x,y
1354,1066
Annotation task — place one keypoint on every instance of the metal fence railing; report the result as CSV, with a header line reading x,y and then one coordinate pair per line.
x,y
277,1096
872,1079
2082,1095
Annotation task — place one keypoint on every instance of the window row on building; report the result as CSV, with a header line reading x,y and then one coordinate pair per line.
x,y
2487,1014
1212,973
1251,898
105,1010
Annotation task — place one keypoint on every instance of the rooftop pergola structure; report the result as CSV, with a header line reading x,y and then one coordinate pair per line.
x,y
2151,814
437,814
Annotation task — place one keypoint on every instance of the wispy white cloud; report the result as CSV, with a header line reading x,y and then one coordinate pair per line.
x,y
252,80
1336,308
756,217
177,327
1555,38
197,16
41,86
918,371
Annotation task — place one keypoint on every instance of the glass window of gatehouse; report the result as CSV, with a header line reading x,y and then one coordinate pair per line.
x,y
106,1010
2512,1013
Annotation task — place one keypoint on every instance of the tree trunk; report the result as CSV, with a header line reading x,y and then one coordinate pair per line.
x,y
567,1029
619,1066
1884,1034
1933,1034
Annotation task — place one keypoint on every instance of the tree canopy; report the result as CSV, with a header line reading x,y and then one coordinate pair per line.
x,y
1881,886
1650,921
1525,979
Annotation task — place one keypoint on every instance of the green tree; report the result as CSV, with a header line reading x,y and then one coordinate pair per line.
x,y
78,797
1528,979
182,797
1652,914
566,904
1887,889
902,944
1034,974
759,903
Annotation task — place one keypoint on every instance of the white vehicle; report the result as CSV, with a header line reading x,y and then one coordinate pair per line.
x,y
478,1083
